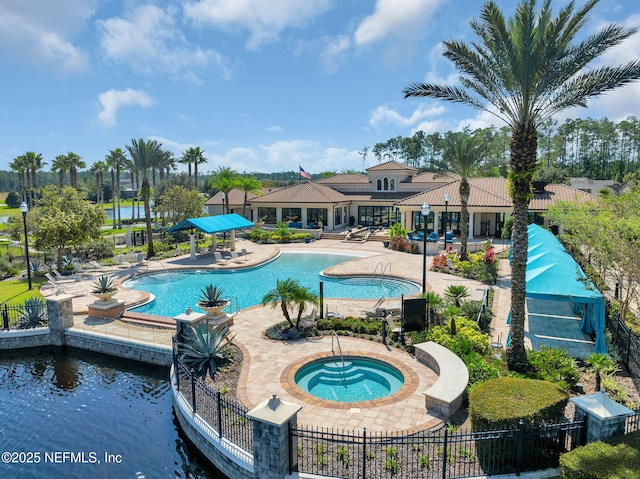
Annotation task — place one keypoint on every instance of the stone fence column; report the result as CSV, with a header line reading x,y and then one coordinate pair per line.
x,y
60,312
605,417
271,449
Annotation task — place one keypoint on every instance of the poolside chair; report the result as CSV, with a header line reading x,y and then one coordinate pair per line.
x,y
433,237
217,255
55,281
310,322
67,287
370,313
61,277
245,253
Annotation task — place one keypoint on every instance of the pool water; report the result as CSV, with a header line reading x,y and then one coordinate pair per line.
x,y
175,291
349,380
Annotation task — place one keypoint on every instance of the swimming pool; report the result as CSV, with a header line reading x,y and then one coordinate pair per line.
x,y
174,291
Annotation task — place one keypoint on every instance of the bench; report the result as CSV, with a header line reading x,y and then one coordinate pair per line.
x,y
445,396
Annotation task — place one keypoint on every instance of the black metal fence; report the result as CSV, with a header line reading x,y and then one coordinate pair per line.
x,y
441,454
228,418
633,422
628,345
30,314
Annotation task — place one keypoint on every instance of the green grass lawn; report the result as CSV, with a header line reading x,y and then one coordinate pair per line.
x,y
17,290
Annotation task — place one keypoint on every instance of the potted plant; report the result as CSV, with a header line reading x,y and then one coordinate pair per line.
x,y
211,300
104,287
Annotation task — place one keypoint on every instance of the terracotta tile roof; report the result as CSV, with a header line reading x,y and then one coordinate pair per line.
x,y
344,179
483,192
557,192
392,165
306,192
236,197
377,196
435,178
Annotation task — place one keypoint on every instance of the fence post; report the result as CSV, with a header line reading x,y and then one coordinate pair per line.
x,y
193,390
219,411
444,451
5,317
364,453
520,446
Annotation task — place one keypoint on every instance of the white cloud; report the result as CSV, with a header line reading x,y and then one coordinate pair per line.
x,y
397,18
334,53
274,129
148,41
264,19
33,31
383,114
113,100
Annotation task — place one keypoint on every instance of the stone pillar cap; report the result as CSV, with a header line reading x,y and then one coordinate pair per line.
x,y
274,411
601,405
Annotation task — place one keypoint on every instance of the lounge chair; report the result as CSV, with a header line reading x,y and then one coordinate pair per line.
x,y
54,281
310,322
217,255
433,237
72,289
375,307
245,253
61,277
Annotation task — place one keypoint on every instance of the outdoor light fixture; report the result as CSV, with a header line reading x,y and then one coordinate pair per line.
x,y
425,210
25,208
446,219
223,198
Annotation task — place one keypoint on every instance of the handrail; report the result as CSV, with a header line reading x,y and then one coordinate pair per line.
x,y
385,269
237,303
333,333
376,269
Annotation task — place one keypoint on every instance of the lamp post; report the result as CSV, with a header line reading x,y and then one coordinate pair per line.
x,y
224,197
425,210
446,218
25,208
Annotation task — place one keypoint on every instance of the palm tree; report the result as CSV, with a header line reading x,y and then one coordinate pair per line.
x,y
118,161
144,155
602,365
301,297
74,162
60,164
33,163
524,71
249,184
224,180
461,153
19,165
99,168
285,293
185,159
197,158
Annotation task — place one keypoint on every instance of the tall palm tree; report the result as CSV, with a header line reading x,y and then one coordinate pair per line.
x,y
249,184
33,163
524,71
19,165
117,160
196,156
144,156
99,168
224,180
461,153
166,163
60,164
75,163
186,159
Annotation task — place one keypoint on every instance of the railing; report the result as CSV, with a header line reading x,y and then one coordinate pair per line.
x,y
24,315
441,454
633,422
627,343
228,418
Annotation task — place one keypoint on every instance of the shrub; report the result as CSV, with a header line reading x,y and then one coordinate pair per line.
x,y
553,365
468,338
100,249
12,200
613,458
6,268
440,261
502,402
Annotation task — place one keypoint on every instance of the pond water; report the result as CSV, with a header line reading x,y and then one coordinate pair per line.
x,y
74,414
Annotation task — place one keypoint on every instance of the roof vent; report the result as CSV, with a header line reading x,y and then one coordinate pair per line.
x,y
538,187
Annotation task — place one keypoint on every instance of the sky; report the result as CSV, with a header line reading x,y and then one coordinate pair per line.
x,y
260,86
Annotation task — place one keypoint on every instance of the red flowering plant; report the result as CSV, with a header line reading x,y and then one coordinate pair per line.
x,y
440,261
489,256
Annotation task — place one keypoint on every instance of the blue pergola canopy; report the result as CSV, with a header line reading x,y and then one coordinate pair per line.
x,y
552,274
214,224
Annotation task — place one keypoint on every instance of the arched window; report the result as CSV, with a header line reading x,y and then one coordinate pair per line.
x,y
386,184
379,185
392,184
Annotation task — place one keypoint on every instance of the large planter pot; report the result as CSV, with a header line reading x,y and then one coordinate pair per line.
x,y
213,310
105,296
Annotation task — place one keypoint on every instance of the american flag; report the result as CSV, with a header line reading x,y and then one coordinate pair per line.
x,y
303,173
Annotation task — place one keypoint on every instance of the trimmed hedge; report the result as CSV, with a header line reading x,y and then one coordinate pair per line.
x,y
500,403
614,458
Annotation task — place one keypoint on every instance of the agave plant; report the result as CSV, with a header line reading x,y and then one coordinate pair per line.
x,y
211,296
104,284
32,314
204,350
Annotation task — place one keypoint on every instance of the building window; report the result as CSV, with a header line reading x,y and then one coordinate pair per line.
x,y
392,184
268,215
317,216
379,185
385,184
378,215
291,214
337,217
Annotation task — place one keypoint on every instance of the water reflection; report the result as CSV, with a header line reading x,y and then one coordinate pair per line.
x,y
55,400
